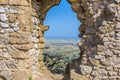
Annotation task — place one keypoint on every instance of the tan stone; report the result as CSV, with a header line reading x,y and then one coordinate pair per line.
x,y
42,40
3,1
1,69
76,76
12,17
41,33
24,19
25,47
42,45
25,64
20,55
95,62
19,2
19,38
112,73
21,74
43,28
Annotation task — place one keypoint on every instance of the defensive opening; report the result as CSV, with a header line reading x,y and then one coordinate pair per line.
x,y
62,37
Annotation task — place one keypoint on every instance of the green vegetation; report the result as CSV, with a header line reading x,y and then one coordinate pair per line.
x,y
59,53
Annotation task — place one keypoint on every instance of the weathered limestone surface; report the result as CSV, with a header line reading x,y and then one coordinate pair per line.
x,y
22,40
100,32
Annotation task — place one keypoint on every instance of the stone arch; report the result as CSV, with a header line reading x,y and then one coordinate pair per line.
x,y
22,39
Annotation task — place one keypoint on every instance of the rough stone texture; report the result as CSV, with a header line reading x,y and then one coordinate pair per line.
x,y
22,40
100,40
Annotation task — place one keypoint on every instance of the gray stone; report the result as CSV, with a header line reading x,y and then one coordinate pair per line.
x,y
107,62
108,53
2,9
14,24
117,25
105,39
89,31
2,31
111,8
13,11
116,51
3,17
35,20
4,25
2,64
99,57
85,69
104,23
110,68
117,34
99,73
16,29
6,74
118,1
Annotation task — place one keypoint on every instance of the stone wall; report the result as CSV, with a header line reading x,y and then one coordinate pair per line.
x,y
22,40
100,45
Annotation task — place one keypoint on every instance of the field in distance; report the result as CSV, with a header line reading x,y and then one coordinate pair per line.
x,y
59,52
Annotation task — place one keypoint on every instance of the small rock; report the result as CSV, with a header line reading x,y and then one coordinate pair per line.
x,y
99,57
35,20
108,53
2,31
94,62
85,69
12,17
2,9
117,26
111,73
4,25
110,68
13,11
111,8
3,17
16,29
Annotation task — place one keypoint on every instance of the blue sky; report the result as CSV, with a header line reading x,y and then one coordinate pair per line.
x,y
62,22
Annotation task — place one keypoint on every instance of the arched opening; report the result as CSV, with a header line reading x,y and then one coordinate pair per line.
x,y
62,37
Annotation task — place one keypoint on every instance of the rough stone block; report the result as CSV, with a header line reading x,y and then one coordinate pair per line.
x,y
3,17
25,64
19,38
18,2
20,55
85,69
25,47
112,73
42,45
3,1
25,22
2,9
44,28
12,18
41,33
21,74
95,62
42,40
4,25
